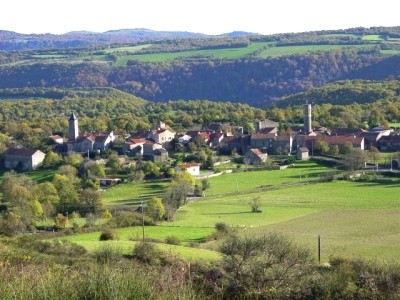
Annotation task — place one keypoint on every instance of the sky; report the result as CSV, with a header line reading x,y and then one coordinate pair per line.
x,y
206,16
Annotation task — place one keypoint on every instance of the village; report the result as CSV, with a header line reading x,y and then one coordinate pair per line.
x,y
156,145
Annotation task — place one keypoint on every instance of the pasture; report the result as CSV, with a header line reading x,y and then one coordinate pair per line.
x,y
132,193
131,235
354,219
225,53
243,181
295,50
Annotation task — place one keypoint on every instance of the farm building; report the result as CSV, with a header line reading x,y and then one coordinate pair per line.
x,y
23,159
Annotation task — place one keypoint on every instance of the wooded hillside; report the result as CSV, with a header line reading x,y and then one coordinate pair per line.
x,y
255,70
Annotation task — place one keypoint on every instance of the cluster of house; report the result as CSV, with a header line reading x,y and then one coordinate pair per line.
x,y
154,144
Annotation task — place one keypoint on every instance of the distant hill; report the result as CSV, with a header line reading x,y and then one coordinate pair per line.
x,y
253,69
10,41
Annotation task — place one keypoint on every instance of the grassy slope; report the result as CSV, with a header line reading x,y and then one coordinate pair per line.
x,y
354,218
134,192
227,53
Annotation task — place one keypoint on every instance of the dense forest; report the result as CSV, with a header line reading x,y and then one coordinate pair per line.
x,y
251,80
298,63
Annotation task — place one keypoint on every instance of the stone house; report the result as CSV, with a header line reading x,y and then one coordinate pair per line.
x,y
265,124
160,155
255,157
263,141
134,146
149,147
23,159
389,143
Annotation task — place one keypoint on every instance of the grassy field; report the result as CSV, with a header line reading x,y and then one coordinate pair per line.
x,y
129,236
355,219
227,53
131,49
134,192
248,181
294,50
372,37
368,233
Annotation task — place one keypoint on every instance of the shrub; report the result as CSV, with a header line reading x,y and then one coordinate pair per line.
x,y
126,219
172,240
147,253
109,235
222,227
107,253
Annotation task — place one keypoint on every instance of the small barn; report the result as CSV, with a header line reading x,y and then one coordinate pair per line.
x,y
303,153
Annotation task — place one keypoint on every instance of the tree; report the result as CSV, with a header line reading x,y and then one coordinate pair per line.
x,y
74,159
150,169
321,146
155,209
345,148
333,150
69,171
47,195
60,221
355,160
136,176
90,169
90,200
18,191
51,159
114,163
205,184
176,194
11,223
255,204
374,154
67,193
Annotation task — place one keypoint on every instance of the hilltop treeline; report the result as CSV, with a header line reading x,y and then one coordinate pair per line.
x,y
345,93
250,80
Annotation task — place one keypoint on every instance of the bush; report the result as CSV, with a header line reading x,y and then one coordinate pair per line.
x,y
222,227
109,235
107,253
126,219
172,240
147,253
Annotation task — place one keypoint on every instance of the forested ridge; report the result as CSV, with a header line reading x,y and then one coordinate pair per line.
x,y
250,80
261,70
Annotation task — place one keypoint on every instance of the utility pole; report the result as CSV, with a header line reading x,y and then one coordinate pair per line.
x,y
142,206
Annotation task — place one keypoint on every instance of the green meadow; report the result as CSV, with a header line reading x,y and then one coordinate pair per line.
x,y
242,181
134,192
354,219
130,49
131,235
294,50
225,53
